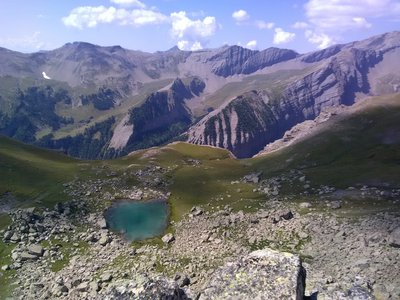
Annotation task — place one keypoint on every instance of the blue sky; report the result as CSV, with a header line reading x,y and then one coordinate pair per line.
x,y
151,25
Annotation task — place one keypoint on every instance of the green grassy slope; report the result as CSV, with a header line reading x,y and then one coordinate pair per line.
x,y
362,148
31,173
359,149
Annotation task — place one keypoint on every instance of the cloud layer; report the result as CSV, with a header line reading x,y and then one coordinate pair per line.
x,y
190,34
328,19
91,16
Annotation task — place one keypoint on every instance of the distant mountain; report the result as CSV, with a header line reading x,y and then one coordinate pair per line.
x,y
96,102
338,75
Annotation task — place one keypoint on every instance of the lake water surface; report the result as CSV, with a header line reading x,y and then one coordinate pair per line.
x,y
138,220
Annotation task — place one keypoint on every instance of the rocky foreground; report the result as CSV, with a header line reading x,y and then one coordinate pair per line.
x,y
282,251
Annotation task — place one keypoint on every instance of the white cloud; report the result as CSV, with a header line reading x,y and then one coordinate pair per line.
x,y
251,45
192,30
265,25
341,15
301,25
135,3
191,34
186,45
183,45
322,40
361,22
282,37
91,16
196,46
240,15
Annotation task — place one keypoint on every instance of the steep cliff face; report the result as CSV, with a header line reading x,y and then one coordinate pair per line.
x,y
103,82
243,126
237,60
266,58
163,116
254,119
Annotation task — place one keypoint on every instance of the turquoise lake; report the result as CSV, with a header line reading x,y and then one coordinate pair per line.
x,y
138,220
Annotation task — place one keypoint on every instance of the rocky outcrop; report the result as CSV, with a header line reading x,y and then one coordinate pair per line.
x,y
237,60
321,54
163,116
109,80
263,274
266,58
257,118
243,126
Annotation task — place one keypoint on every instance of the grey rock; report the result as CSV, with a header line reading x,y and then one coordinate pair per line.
x,y
284,214
7,235
94,286
25,256
394,238
305,205
335,205
196,211
36,250
253,177
83,287
102,223
5,268
162,288
15,238
168,238
358,293
104,240
263,274
106,277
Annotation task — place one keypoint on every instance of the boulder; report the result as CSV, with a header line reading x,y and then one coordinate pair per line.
x,y
253,177
284,214
161,288
5,268
263,274
104,240
27,256
394,238
15,238
83,287
36,250
7,235
102,223
305,205
106,277
168,238
196,211
335,205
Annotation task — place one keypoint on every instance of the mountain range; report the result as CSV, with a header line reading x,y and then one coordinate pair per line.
x,y
101,102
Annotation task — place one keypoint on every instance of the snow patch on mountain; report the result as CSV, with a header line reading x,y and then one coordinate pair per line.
x,y
45,75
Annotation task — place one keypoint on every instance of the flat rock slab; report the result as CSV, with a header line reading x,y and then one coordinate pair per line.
x,y
168,238
36,250
394,239
27,256
263,274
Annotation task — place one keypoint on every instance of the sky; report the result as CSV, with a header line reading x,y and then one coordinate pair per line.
x,y
158,25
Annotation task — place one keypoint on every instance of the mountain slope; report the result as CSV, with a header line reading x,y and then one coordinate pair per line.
x,y
79,98
343,75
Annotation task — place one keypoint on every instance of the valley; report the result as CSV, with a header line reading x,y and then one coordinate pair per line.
x,y
330,196
104,102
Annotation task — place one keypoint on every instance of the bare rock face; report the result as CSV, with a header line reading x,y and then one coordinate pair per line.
x,y
263,274
237,60
257,118
243,126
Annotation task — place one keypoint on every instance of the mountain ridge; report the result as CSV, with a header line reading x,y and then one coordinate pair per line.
x,y
97,87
